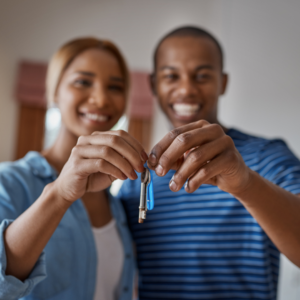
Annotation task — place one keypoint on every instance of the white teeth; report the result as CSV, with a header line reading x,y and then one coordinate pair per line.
x,y
95,117
186,110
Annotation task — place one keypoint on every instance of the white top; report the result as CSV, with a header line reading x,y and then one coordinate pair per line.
x,y
110,259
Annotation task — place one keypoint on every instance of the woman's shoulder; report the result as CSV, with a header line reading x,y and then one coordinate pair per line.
x,y
22,181
33,164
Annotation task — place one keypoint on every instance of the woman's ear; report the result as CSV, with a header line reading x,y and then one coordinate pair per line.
x,y
152,80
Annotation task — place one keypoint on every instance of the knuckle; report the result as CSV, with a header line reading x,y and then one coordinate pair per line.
x,y
75,151
105,150
114,139
202,123
95,133
164,160
228,141
121,133
157,150
204,172
174,133
184,138
81,140
195,156
217,129
100,164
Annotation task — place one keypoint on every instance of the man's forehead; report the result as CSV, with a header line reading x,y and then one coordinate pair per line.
x,y
183,49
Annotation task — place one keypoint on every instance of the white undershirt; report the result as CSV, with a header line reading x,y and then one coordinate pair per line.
x,y
110,254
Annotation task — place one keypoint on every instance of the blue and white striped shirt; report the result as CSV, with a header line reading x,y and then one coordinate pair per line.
x,y
206,245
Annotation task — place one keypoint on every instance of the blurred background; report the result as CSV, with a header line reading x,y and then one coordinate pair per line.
x,y
261,40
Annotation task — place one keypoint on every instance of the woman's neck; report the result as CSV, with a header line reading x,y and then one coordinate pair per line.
x,y
58,154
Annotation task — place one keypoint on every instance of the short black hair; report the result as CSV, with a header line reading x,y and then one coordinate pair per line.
x,y
190,31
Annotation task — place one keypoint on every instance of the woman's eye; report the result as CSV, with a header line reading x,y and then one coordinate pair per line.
x,y
82,83
171,76
116,88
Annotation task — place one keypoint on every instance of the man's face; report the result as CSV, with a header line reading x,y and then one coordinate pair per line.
x,y
189,79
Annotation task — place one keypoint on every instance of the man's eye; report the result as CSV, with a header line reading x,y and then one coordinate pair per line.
x,y
82,83
202,77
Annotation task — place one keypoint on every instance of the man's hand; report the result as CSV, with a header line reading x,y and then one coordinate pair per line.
x,y
200,153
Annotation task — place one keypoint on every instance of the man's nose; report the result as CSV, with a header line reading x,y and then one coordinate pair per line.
x,y
99,97
187,87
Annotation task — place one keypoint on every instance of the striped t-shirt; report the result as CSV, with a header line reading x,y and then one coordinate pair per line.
x,y
205,245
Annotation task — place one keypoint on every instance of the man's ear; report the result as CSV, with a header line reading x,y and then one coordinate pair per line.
x,y
225,78
152,80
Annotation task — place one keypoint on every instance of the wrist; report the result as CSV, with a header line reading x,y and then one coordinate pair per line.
x,y
247,187
51,192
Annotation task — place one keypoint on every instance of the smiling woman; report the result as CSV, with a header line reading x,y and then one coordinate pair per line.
x,y
58,199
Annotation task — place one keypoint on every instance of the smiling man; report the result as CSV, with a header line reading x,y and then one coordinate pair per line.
x,y
226,203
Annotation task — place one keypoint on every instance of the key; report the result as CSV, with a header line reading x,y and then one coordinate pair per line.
x,y
145,180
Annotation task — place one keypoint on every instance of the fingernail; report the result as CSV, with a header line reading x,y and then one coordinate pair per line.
x,y
159,170
186,186
133,175
173,185
144,156
141,168
152,159
124,177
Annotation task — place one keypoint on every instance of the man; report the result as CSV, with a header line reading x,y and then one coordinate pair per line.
x,y
236,202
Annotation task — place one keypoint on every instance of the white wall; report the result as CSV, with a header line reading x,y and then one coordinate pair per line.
x,y
34,29
261,41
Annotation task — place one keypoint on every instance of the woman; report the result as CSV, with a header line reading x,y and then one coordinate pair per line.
x,y
52,246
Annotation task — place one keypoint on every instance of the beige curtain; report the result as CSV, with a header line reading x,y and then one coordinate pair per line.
x,y
141,109
30,91
31,129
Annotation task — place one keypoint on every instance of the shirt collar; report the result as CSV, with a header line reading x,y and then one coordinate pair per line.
x,y
39,165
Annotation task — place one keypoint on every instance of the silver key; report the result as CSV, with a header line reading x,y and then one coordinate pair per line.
x,y
145,180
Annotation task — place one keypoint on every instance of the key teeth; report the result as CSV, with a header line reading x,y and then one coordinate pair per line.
x,y
142,216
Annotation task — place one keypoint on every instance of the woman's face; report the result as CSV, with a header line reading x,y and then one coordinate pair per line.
x,y
91,94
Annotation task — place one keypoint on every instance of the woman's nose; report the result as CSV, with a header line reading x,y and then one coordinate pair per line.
x,y
99,97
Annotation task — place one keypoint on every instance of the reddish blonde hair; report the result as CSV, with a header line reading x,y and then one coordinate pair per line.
x,y
66,54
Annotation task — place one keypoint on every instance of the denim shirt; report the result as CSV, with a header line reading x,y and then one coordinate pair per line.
x,y
66,269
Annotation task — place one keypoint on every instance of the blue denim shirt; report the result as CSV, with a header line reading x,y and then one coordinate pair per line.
x,y
67,267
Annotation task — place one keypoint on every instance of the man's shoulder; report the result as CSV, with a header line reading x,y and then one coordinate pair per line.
x,y
250,143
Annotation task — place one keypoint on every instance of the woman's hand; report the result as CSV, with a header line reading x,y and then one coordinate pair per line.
x,y
201,153
97,160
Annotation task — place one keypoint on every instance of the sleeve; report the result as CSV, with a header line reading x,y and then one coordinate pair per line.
x,y
280,166
13,201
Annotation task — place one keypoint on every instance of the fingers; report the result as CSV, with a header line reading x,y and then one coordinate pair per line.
x,y
91,166
207,174
118,144
168,139
108,154
195,160
183,143
131,141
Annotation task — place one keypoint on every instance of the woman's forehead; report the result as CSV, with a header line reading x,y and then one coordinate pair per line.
x,y
94,59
